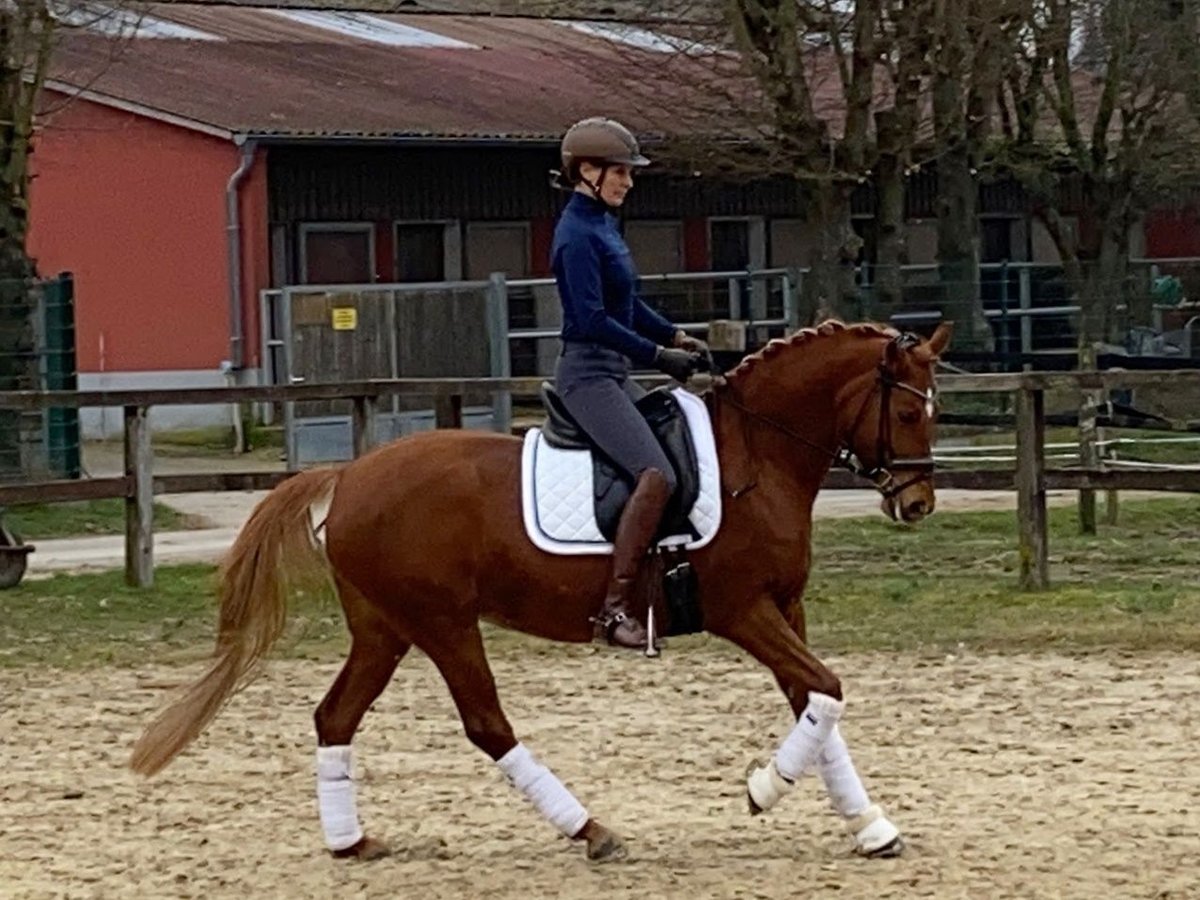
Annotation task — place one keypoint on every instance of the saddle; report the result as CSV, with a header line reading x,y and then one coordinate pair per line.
x,y
611,486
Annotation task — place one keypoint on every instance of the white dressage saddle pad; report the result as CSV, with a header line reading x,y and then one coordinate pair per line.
x,y
557,497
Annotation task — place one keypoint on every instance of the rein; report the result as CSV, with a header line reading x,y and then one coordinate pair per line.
x,y
880,474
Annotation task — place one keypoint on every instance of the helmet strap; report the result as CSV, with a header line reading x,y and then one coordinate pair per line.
x,y
595,188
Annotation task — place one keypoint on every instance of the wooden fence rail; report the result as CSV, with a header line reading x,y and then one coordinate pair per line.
x,y
1031,479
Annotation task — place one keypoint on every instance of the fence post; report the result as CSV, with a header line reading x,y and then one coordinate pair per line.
x,y
1025,287
362,423
139,499
1006,341
499,356
1031,489
1111,501
1088,457
792,291
447,410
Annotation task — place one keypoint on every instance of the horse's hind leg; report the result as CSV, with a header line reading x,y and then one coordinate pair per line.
x,y
375,651
458,653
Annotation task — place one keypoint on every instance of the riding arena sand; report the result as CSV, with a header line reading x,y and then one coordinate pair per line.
x,y
1012,776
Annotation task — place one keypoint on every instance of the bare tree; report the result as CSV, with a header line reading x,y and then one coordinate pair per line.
x,y
788,47
972,52
26,34
29,30
900,133
1095,128
26,38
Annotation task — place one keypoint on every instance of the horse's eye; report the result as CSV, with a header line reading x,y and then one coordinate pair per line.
x,y
910,416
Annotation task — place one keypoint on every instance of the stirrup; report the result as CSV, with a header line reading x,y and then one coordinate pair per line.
x,y
602,630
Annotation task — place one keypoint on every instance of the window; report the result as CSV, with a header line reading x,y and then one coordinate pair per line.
x,y
729,249
497,247
657,247
995,240
337,253
420,251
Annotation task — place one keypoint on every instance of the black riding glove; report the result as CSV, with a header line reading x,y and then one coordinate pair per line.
x,y
696,345
679,364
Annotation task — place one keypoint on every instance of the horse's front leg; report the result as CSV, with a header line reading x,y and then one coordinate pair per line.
x,y
814,742
874,835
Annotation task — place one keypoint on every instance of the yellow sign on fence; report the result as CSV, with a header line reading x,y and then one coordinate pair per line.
x,y
345,318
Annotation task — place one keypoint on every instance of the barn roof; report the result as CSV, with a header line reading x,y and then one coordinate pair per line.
x,y
302,73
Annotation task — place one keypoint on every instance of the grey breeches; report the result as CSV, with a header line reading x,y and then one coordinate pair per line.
x,y
595,388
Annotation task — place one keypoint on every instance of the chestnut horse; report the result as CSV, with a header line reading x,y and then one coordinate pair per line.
x,y
424,538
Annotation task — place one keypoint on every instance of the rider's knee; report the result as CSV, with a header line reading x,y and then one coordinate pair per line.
x,y
666,478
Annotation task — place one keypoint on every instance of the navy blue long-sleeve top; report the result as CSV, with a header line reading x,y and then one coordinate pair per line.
x,y
597,284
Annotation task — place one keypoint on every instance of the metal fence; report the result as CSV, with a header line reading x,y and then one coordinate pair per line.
x,y
37,352
1033,312
502,328
496,328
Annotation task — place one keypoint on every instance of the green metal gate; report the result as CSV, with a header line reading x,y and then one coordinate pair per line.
x,y
37,352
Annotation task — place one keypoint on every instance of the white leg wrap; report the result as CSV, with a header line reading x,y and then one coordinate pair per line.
x,y
335,797
801,747
543,789
872,830
767,787
846,791
798,752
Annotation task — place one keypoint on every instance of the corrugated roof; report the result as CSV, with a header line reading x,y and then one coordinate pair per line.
x,y
249,70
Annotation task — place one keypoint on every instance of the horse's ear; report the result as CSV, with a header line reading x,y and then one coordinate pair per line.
x,y
940,339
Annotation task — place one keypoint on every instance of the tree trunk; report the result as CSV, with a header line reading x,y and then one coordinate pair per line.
x,y
18,362
958,249
957,191
891,249
831,285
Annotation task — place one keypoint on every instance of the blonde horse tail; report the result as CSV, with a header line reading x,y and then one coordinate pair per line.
x,y
276,553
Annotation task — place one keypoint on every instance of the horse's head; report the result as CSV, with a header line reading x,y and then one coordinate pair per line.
x,y
887,419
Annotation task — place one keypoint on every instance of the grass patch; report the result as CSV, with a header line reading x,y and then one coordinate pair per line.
x,y
876,586
38,521
953,580
96,619
217,439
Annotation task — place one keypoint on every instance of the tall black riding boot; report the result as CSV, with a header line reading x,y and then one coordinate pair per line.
x,y
635,532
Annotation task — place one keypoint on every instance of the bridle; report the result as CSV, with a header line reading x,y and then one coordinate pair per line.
x,y
879,474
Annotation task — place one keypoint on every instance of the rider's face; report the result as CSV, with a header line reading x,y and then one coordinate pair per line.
x,y
615,183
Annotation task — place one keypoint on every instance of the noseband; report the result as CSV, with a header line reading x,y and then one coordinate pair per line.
x,y
885,460
879,474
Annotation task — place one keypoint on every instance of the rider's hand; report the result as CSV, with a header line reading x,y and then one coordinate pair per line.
x,y
679,364
685,341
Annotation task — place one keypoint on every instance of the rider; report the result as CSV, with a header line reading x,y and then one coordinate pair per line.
x,y
606,325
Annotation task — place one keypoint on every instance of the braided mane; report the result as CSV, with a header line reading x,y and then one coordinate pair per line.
x,y
803,337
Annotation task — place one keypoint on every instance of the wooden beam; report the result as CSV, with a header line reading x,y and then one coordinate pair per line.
x,y
1031,491
219,481
1180,481
64,491
443,387
966,479
139,503
362,425
448,411
1089,456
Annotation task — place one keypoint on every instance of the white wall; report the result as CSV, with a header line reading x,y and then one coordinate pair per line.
x,y
108,422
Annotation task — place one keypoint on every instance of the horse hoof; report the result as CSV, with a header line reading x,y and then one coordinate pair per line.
x,y
365,850
755,809
875,836
602,844
890,850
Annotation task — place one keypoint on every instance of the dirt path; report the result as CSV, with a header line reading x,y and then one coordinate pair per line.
x,y
1021,777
